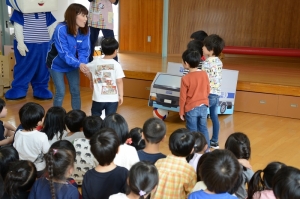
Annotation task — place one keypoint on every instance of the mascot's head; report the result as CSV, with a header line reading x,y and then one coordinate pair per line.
x,y
33,6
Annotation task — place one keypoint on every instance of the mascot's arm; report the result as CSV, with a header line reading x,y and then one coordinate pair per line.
x,y
20,39
51,29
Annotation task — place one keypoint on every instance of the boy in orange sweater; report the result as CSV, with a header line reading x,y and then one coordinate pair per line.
x,y
194,93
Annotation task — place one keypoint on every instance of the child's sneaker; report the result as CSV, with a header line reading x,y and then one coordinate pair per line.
x,y
214,145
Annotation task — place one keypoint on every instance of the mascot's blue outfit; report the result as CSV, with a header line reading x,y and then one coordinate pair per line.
x,y
32,68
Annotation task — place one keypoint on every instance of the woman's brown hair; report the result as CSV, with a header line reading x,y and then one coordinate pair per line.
x,y
70,18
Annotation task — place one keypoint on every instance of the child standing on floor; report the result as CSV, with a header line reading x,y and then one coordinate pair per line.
x,y
239,144
60,165
106,178
212,48
260,185
194,91
142,180
30,143
74,122
176,177
154,131
7,130
106,79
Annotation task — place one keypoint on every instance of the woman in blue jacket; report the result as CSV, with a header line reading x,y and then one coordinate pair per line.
x,y
68,52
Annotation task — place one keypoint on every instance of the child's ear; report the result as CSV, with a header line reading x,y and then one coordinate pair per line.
x,y
143,137
162,140
192,151
205,148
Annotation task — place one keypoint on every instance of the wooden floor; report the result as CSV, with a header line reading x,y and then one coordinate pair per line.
x,y
272,138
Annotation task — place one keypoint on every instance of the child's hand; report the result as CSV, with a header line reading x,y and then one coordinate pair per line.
x,y
120,100
182,117
245,163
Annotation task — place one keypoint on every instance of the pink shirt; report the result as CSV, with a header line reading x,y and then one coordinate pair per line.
x,y
265,194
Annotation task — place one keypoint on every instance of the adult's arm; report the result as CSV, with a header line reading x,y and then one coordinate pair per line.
x,y
62,46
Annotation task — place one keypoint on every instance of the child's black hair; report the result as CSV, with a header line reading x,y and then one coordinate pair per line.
x,y
261,182
192,57
239,144
105,146
196,45
54,122
109,45
199,35
286,183
91,125
220,171
136,137
154,130
31,114
181,142
74,120
2,104
8,155
200,143
20,178
215,43
1,187
59,159
142,178
118,123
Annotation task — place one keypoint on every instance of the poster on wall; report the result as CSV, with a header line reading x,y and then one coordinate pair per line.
x,y
165,89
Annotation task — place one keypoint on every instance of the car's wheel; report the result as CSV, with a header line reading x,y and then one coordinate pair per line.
x,y
222,108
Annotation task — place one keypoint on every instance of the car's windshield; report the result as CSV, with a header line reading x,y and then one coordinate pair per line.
x,y
167,80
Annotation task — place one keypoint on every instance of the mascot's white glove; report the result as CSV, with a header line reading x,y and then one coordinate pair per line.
x,y
20,39
51,29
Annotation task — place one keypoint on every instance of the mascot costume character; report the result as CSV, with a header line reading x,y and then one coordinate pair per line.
x,y
34,26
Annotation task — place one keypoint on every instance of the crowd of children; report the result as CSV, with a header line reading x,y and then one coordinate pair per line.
x,y
50,155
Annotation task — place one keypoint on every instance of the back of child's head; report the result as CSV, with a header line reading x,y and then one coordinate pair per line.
x,y
200,144
1,187
199,35
136,138
220,171
54,122
196,45
215,43
239,144
59,160
8,155
109,45
105,146
117,122
74,120
31,114
191,57
91,125
20,178
181,142
262,179
286,183
2,104
142,179
154,130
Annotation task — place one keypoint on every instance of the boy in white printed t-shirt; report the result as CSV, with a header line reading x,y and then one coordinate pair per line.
x,y
106,79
